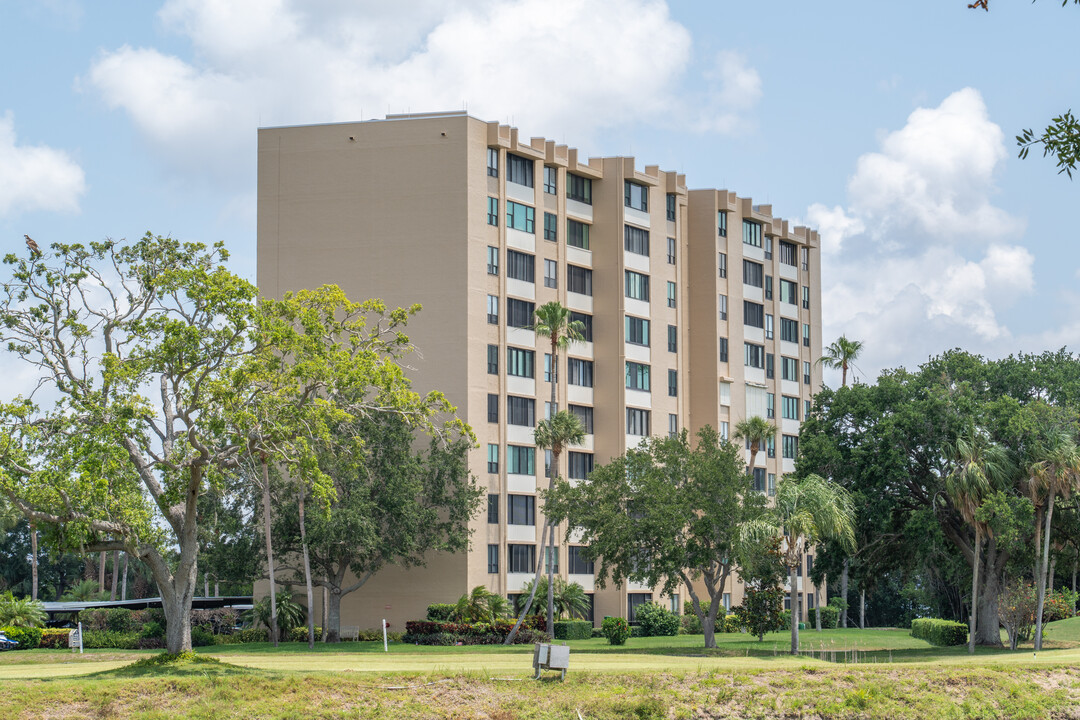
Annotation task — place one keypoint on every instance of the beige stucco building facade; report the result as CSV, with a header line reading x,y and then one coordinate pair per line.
x,y
700,308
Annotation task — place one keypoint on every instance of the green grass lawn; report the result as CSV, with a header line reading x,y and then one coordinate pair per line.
x,y
646,678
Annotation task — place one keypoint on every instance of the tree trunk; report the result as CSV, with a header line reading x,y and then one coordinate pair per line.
x,y
269,551
325,602
794,596
101,571
987,625
115,572
307,576
532,594
844,592
333,616
1076,561
974,590
1042,577
817,607
123,581
206,585
33,563
554,472
217,588
862,608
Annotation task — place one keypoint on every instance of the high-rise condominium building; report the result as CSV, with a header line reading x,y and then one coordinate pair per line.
x,y
698,306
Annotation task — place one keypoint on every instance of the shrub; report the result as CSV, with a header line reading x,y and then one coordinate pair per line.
x,y
690,624
616,630
1057,606
830,617
109,640
731,623
54,638
418,632
656,620
27,637
152,629
762,611
440,612
573,630
220,621
248,635
21,612
299,634
120,620
201,636
943,633
785,620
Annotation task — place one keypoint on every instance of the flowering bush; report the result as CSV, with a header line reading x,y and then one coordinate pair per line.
x,y
616,630
424,632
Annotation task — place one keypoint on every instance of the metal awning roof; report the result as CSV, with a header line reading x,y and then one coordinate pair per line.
x,y
238,602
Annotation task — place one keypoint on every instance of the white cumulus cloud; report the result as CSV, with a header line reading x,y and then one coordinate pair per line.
x,y
36,177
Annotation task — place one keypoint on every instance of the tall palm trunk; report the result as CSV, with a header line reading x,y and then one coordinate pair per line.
x,y
123,580
794,595
1043,562
862,608
115,573
817,607
307,575
532,594
975,590
325,605
33,563
101,571
552,474
844,592
269,550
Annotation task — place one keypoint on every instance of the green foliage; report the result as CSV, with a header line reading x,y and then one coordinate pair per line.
x,y
201,636
573,630
54,638
247,635
440,612
109,640
656,620
761,611
300,634
152,629
85,591
27,637
943,633
570,599
290,613
839,603
616,630
21,612
1061,139
830,617
731,623
479,605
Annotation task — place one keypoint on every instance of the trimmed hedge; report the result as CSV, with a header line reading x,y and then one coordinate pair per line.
x,y
54,638
109,640
299,634
573,630
427,632
943,633
28,638
440,612
830,617
249,635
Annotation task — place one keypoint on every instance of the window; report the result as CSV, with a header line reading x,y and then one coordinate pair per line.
x,y
787,253
577,234
789,408
492,260
579,372
791,446
493,211
806,334
493,508
789,330
770,445
519,313
493,559
493,162
805,297
520,217
753,314
670,294
584,414
772,483
722,264
672,338
770,366
520,266
576,561
670,204
551,180
586,324
672,425
551,226
806,372
520,460
519,170
789,369
752,273
551,274
581,464
671,251
755,355
768,248
521,509
521,558
787,291
806,408
547,462
493,407
520,411
493,360
804,256
770,405
637,376
637,285
550,374
637,331
751,233
578,188
519,362
637,421
551,559
769,327
723,307
721,223
578,280
759,480
768,287
493,310
633,602
725,430
636,240
550,411
493,459
673,383
723,350
635,196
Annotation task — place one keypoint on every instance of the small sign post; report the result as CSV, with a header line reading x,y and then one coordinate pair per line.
x,y
384,646
75,639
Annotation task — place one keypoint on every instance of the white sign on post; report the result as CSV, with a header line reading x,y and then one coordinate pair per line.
x,y
384,647
75,639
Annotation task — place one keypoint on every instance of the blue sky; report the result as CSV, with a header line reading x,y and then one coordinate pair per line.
x,y
887,125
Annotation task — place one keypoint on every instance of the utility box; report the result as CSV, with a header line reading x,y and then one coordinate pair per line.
x,y
551,657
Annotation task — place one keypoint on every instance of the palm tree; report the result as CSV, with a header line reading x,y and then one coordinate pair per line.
x,y
981,468
757,430
571,600
1056,471
811,510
